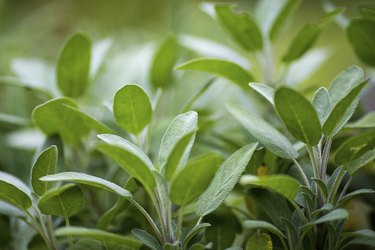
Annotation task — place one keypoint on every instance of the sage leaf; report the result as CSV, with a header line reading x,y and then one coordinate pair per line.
x,y
241,26
298,115
226,69
181,126
194,179
361,32
259,241
264,90
64,201
322,103
146,239
354,194
285,185
73,65
363,237
336,214
97,234
368,121
197,229
225,179
14,191
342,111
163,62
132,108
89,180
44,165
272,139
360,162
257,224
129,157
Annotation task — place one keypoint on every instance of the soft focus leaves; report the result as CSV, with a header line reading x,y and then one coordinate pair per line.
x,y
14,191
322,103
259,241
264,90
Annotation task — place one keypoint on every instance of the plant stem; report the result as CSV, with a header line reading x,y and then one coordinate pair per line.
x,y
179,222
303,175
38,228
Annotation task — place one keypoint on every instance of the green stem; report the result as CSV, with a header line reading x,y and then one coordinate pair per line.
x,y
38,228
179,222
303,175
336,184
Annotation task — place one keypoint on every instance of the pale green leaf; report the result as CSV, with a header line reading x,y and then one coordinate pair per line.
x,y
73,65
146,239
259,241
322,103
163,62
63,201
272,139
44,165
368,121
298,115
132,108
14,191
89,180
241,26
226,69
363,237
225,179
360,162
181,126
266,91
194,179
257,224
129,157
96,234
282,184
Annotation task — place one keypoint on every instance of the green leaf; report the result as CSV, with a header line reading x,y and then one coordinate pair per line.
x,y
368,121
61,116
241,26
272,139
259,241
96,234
226,69
44,165
73,65
129,157
360,162
298,115
342,111
361,33
188,106
354,194
146,239
162,64
282,18
14,191
197,229
181,126
194,179
354,147
322,103
63,201
89,180
266,91
303,41
257,224
225,179
336,214
322,187
132,108
282,184
364,237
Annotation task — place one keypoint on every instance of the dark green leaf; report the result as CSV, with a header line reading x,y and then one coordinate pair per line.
x,y
225,179
146,238
272,139
264,90
14,191
132,108
322,103
336,214
257,224
73,65
220,67
354,194
195,231
259,241
298,115
44,165
241,26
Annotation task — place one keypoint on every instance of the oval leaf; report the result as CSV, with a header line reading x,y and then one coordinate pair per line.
x,y
132,108
225,179
14,191
88,180
322,103
73,65
298,115
257,224
259,241
147,239
264,90
63,201
194,179
360,162
272,139
129,157
44,165
223,68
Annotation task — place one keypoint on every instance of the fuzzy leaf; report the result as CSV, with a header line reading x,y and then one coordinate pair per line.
x,y
129,157
63,201
257,224
298,115
132,108
322,103
73,65
264,90
354,194
368,121
44,165
89,180
194,179
272,139
14,191
226,69
146,239
225,179
194,231
336,214
241,26
259,241
360,162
